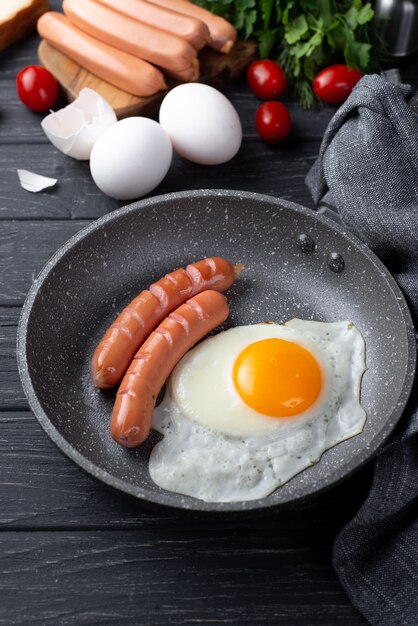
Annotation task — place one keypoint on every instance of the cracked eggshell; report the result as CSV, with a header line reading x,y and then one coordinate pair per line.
x,y
131,158
75,128
35,182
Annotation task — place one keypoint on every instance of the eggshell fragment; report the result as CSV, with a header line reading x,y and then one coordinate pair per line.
x,y
35,182
75,128
203,125
131,158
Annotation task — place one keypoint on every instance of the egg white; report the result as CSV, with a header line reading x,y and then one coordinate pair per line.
x,y
218,449
202,384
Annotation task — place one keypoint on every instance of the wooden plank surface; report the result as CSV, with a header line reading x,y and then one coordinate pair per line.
x,y
20,125
275,170
73,552
122,578
215,69
59,495
26,246
12,396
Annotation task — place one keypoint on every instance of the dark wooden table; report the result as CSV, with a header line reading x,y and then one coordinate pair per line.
x,y
74,553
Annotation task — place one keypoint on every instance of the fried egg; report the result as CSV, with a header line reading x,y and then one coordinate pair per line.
x,y
251,407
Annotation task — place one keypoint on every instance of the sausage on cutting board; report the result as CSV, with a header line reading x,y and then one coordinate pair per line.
x,y
114,66
120,342
222,34
189,28
155,360
145,42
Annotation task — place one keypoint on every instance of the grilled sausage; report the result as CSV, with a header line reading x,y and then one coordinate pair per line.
x,y
121,341
155,360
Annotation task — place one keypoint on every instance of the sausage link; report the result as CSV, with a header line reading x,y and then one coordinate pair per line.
x,y
114,66
155,360
114,353
189,28
222,34
188,75
129,35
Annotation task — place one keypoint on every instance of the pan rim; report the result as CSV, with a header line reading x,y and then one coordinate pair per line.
x,y
170,501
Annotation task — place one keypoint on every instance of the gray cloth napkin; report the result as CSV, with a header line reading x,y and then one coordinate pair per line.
x,y
367,170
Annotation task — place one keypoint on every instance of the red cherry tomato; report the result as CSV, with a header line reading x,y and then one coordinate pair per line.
x,y
335,83
266,79
37,88
273,122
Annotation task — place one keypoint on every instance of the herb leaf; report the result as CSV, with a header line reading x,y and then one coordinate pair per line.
x,y
266,42
305,35
365,14
296,29
357,54
266,11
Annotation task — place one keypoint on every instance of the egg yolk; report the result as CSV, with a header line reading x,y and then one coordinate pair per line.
x,y
277,377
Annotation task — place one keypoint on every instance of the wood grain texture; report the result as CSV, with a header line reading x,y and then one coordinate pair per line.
x,y
12,396
275,170
185,577
73,552
75,195
32,244
215,69
42,489
19,125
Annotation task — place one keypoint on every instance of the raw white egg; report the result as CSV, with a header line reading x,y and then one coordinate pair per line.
x,y
203,125
131,158
248,409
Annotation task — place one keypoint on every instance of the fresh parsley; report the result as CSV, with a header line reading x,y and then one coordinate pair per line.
x,y
305,35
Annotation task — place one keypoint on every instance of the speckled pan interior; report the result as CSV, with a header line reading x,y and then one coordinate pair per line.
x,y
94,275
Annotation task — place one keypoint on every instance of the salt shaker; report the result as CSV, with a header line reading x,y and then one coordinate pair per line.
x,y
398,25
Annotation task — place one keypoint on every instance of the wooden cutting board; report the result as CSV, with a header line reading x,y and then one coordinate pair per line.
x,y
216,69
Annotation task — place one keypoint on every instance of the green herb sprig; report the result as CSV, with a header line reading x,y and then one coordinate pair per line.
x,y
305,35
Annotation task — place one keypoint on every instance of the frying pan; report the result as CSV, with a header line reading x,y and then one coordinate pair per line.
x,y
286,250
